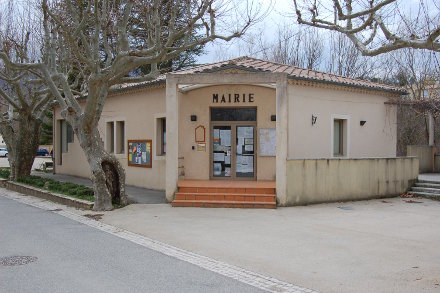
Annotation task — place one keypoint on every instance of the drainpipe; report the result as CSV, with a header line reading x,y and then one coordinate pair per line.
x,y
431,129
431,139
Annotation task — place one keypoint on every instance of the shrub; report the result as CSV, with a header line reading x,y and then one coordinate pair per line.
x,y
5,172
66,188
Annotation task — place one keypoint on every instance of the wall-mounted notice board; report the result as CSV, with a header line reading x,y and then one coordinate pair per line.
x,y
268,142
140,153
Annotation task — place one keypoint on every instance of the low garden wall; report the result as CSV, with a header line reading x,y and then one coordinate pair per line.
x,y
425,154
55,197
327,180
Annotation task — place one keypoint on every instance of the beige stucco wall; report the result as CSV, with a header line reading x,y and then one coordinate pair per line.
x,y
425,154
326,180
198,102
377,138
139,110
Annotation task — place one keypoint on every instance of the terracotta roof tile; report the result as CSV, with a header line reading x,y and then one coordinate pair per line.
x,y
292,71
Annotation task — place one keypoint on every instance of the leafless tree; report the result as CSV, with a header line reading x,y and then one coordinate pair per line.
x,y
344,59
376,26
92,47
417,71
298,47
24,98
292,46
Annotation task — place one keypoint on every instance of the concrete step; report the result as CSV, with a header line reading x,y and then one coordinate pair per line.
x,y
224,204
425,195
426,190
225,197
244,190
225,194
428,181
428,185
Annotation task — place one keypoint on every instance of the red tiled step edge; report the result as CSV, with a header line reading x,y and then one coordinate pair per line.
x,y
226,184
247,190
224,204
225,197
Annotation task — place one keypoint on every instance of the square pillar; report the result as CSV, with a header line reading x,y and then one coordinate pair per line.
x,y
172,155
431,128
281,132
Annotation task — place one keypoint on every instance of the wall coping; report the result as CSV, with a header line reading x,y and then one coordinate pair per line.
x,y
353,159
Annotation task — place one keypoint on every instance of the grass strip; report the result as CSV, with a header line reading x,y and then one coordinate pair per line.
x,y
65,188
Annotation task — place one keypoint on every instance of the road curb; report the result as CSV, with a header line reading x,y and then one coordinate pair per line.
x,y
257,280
44,194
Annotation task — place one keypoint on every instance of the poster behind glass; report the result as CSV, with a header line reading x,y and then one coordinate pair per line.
x,y
221,151
139,153
244,162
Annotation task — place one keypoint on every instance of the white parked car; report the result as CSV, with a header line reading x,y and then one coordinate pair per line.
x,y
3,152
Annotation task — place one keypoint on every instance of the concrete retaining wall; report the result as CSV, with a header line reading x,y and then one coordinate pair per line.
x,y
55,197
436,163
327,180
425,154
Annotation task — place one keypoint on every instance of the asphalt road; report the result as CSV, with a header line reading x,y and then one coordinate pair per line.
x,y
72,257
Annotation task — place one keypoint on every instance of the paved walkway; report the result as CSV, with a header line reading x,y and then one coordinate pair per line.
x,y
430,176
386,245
135,194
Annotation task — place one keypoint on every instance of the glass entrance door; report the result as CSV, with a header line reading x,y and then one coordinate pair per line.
x,y
233,151
245,151
222,150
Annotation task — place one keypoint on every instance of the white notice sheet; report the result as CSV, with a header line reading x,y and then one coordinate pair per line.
x,y
219,157
245,132
249,148
216,133
239,149
249,164
248,132
217,169
225,137
245,164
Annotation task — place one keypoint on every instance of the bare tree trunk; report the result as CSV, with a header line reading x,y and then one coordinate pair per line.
x,y
108,175
22,144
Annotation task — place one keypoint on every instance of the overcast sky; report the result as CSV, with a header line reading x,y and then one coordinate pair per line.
x,y
279,11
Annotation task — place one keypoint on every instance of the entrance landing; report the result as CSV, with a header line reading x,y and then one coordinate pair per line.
x,y
225,194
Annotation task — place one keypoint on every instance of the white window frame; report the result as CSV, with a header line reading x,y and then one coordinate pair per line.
x,y
158,116
115,120
124,142
346,143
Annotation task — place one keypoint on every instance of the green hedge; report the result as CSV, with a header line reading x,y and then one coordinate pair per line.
x,y
4,173
66,188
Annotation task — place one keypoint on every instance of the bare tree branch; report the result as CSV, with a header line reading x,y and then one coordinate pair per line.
x,y
361,26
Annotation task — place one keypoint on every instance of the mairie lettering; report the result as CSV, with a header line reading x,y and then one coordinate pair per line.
x,y
232,98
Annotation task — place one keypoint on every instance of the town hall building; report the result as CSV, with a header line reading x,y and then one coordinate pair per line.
x,y
250,133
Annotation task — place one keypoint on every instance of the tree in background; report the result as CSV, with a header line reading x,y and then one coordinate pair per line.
x,y
24,98
184,59
345,60
105,43
47,129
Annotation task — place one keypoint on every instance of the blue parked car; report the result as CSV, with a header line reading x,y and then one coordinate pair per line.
x,y
42,152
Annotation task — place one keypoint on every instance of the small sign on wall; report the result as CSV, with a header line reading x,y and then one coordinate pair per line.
x,y
200,134
201,147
